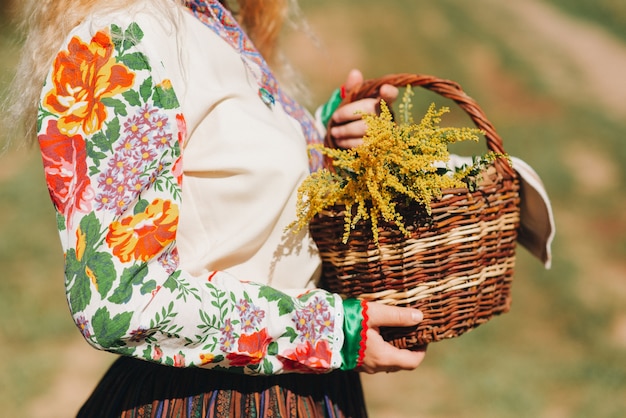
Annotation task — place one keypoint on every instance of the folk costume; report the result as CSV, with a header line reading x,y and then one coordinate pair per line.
x,y
173,158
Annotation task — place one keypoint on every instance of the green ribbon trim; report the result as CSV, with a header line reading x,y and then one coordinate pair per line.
x,y
352,327
327,110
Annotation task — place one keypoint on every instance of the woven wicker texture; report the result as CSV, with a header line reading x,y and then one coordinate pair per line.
x,y
457,264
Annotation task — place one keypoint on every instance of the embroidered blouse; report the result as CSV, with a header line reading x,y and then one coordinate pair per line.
x,y
173,182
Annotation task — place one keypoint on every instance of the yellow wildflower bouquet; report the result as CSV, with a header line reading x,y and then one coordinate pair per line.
x,y
398,162
398,221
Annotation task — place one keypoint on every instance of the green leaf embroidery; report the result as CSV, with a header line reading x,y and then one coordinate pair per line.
x,y
132,36
165,97
60,221
79,293
285,303
116,36
122,293
148,287
101,141
95,156
131,276
145,90
268,367
141,206
291,333
103,270
136,61
110,331
181,287
119,107
272,349
132,97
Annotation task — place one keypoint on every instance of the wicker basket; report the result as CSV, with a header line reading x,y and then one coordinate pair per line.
x,y
457,264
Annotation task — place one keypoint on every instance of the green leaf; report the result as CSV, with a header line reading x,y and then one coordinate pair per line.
x,y
165,98
103,268
146,89
306,297
119,107
272,349
101,141
139,274
136,61
95,156
90,226
148,287
113,129
172,282
285,302
141,206
116,35
110,331
132,36
72,266
291,333
268,368
122,294
132,97
60,222
147,353
79,294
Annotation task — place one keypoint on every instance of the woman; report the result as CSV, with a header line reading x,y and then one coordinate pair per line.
x,y
172,157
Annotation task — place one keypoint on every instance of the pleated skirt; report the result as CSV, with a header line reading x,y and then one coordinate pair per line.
x,y
136,389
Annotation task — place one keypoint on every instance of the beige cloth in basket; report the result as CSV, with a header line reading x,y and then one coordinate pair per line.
x,y
537,226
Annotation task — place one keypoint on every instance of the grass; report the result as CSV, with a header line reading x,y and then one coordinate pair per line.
x,y
609,14
558,353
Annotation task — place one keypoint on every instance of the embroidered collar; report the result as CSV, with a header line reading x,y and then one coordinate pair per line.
x,y
220,20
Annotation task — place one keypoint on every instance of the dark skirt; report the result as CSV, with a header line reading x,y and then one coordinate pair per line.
x,y
134,388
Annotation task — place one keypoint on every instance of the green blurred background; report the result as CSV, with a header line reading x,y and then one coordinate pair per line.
x,y
549,74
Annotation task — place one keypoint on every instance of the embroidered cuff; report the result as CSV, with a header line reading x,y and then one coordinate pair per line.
x,y
354,327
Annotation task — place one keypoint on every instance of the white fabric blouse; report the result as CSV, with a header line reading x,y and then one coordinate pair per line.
x,y
243,162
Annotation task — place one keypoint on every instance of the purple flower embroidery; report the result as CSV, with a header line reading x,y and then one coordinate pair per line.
x,y
227,341
169,260
140,334
314,320
145,134
251,315
83,326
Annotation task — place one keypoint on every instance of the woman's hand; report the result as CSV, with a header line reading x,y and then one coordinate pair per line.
x,y
381,356
349,127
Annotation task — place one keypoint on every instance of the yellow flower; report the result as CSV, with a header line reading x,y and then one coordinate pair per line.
x,y
396,162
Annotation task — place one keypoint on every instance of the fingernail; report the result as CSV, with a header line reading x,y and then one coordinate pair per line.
x,y
417,316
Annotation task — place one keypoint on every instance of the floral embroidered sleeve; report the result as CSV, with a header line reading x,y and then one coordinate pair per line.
x,y
110,131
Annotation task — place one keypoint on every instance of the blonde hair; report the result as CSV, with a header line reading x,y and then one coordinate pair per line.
x,y
46,23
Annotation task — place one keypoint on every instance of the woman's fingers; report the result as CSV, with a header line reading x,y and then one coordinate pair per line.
x,y
381,356
389,93
348,126
355,78
392,316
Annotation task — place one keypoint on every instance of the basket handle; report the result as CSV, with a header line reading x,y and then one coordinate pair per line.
x,y
446,88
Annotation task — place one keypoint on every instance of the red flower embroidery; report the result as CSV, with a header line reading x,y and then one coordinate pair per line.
x,y
82,76
144,234
251,349
179,360
65,168
307,358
